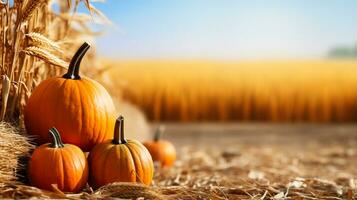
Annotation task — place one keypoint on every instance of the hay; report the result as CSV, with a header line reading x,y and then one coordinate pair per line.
x,y
14,145
245,172
136,125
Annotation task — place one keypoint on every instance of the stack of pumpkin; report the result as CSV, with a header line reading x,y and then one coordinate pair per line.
x,y
80,112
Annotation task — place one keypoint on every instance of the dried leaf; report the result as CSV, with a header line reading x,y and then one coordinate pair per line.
x,y
256,175
296,184
5,91
280,195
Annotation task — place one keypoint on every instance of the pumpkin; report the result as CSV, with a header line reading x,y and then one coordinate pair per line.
x,y
55,163
79,107
162,151
120,160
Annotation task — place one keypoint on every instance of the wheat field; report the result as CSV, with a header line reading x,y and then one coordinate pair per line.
x,y
278,91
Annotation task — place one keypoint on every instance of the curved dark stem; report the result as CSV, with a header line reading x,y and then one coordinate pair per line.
x,y
73,69
57,141
159,132
119,131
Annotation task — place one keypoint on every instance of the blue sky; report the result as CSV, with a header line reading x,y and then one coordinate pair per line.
x,y
226,29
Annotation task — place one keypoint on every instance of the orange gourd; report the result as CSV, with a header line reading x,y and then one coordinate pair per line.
x,y
80,108
162,151
55,163
120,160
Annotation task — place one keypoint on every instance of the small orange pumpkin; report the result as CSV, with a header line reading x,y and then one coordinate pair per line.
x,y
120,160
55,163
79,107
162,151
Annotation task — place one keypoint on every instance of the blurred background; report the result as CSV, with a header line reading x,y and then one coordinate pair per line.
x,y
233,60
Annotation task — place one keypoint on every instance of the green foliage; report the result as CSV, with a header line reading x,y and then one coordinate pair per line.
x,y
343,52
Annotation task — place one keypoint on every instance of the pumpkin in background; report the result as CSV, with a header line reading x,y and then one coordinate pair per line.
x,y
79,107
162,151
64,165
120,160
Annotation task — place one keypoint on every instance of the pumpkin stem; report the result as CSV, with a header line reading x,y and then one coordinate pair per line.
x,y
73,69
119,131
57,141
159,132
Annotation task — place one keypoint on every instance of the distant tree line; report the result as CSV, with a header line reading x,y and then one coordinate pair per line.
x,y
343,52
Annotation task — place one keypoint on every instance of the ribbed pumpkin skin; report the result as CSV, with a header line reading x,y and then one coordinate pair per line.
x,y
81,110
67,167
130,162
162,151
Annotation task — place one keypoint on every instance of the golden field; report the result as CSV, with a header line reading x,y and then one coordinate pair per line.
x,y
279,91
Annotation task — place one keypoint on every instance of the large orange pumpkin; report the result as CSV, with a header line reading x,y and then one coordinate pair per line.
x,y
120,160
162,151
64,165
80,108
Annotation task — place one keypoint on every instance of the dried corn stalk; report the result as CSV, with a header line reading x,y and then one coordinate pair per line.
x,y
33,37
